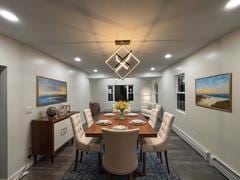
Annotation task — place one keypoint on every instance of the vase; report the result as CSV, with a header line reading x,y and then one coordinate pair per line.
x,y
122,115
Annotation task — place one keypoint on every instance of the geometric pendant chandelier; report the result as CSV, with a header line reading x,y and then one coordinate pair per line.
x,y
122,62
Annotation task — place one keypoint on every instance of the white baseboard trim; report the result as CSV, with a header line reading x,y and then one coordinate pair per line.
x,y
15,175
224,168
195,145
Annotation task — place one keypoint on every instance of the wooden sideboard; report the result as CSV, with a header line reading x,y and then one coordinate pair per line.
x,y
49,134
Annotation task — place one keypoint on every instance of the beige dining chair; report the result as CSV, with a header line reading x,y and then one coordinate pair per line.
x,y
120,156
154,118
83,143
88,117
159,144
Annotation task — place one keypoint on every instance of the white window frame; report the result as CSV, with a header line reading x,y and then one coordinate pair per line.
x,y
177,93
127,89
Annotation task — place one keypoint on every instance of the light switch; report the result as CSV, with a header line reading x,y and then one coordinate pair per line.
x,y
29,109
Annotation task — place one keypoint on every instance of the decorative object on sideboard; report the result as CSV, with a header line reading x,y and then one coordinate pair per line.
x,y
51,111
64,110
50,91
215,92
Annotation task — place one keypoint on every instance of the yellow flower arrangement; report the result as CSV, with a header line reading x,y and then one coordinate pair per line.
x,y
121,105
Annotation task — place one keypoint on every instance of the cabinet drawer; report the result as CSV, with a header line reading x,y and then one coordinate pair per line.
x,y
62,133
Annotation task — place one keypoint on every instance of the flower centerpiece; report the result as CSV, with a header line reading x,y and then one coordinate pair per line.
x,y
121,106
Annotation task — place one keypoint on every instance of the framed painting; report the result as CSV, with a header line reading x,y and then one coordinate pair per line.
x,y
50,91
215,92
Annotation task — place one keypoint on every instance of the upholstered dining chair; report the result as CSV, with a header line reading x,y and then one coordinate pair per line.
x,y
120,156
159,144
83,143
116,110
88,117
154,118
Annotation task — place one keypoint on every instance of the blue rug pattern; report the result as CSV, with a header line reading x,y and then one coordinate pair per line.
x,y
88,170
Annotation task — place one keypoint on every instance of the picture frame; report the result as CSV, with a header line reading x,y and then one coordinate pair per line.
x,y
214,92
50,91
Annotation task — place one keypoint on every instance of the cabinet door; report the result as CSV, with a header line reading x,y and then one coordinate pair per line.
x,y
62,133
69,133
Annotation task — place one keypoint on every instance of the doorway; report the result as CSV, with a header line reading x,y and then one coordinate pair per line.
x,y
3,123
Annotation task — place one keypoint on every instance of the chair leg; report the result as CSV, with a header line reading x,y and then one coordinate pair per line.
x,y
141,154
159,154
109,176
166,159
81,156
76,159
130,176
99,162
144,162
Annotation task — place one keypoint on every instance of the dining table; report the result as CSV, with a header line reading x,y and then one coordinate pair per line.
x,y
145,130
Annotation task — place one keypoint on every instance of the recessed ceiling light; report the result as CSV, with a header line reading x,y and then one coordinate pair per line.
x,y
8,15
152,69
70,71
95,70
232,4
77,59
179,68
168,56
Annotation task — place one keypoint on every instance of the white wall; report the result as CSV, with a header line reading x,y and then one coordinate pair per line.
x,y
217,131
99,91
23,65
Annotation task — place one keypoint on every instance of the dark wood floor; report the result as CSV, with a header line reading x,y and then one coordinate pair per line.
x,y
188,164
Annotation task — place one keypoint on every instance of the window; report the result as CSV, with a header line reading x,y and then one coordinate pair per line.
x,y
156,92
110,93
180,90
130,93
120,92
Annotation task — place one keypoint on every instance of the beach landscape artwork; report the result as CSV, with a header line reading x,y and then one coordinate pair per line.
x,y
215,92
50,91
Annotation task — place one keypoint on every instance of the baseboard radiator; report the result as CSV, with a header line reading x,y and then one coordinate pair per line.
x,y
196,146
223,168
213,160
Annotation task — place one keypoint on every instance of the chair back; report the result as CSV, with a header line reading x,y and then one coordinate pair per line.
x,y
166,126
88,117
153,118
77,127
120,156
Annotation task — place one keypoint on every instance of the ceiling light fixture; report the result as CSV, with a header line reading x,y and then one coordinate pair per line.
x,y
71,71
168,56
122,61
179,68
77,59
232,4
8,15
95,70
152,69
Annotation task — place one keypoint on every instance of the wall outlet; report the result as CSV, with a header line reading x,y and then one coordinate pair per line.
x,y
29,109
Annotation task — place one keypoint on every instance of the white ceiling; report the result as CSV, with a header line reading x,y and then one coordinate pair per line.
x,y
68,28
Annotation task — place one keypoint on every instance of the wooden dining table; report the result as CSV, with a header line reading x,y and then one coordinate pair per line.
x,y
145,130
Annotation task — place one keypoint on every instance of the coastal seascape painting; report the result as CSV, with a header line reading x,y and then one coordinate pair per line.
x,y
50,91
215,92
